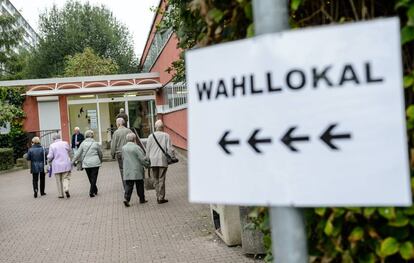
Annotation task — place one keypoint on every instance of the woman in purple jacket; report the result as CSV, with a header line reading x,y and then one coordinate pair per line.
x,y
59,155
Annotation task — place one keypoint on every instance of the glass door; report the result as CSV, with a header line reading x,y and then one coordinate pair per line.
x,y
84,116
141,117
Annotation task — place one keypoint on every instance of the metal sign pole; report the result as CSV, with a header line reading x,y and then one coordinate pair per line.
x,y
288,228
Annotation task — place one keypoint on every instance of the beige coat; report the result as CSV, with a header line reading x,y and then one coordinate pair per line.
x,y
154,153
119,140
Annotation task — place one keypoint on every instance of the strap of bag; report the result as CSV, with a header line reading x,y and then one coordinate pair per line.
x,y
44,156
87,151
153,135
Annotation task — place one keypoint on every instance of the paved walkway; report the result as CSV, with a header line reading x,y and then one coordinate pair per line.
x,y
101,229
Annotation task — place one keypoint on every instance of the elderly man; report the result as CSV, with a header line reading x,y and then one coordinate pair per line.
x,y
77,139
59,155
118,141
158,160
123,115
134,162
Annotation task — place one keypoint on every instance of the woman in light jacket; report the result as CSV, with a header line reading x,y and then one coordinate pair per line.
x,y
90,154
158,160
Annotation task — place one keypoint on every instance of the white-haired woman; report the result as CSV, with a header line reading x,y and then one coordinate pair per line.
x,y
158,160
90,154
59,156
134,162
37,155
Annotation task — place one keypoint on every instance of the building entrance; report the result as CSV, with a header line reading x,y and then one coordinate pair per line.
x,y
98,113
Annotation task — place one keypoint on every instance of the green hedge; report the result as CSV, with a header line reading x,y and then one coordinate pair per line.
x,y
6,159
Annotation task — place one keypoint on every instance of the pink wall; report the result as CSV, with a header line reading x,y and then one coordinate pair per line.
x,y
64,118
176,126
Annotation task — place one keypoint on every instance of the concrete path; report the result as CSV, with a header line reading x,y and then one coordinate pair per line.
x,y
101,229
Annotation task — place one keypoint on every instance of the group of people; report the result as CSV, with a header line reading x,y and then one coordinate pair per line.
x,y
85,153
133,157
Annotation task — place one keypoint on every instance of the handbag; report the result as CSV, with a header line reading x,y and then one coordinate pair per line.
x,y
170,159
79,163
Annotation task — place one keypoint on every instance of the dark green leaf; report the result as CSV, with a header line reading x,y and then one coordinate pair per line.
x,y
369,211
356,234
389,246
294,4
320,211
407,250
216,15
387,212
408,81
328,228
407,34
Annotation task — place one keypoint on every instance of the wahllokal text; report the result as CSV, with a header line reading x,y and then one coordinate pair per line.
x,y
295,79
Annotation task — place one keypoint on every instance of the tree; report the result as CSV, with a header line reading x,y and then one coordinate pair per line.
x,y
10,37
88,63
67,31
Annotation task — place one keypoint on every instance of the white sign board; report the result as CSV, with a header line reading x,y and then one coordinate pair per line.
x,y
5,129
310,117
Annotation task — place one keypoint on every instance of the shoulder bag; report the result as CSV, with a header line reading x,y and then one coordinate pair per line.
x,y
170,159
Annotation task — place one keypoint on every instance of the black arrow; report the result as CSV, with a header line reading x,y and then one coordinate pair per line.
x,y
287,139
223,142
327,136
253,141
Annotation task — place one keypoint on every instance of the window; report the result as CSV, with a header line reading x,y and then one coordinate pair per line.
x,y
175,96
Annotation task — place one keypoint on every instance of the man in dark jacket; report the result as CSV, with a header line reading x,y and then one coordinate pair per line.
x,y
77,139
37,155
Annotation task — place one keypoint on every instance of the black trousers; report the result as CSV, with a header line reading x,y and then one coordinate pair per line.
x,y
129,187
36,180
93,177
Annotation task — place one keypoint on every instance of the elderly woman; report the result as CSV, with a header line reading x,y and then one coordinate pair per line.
x,y
59,156
37,156
134,162
90,154
158,160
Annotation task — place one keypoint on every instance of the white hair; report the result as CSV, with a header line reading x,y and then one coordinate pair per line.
x,y
121,110
131,137
36,140
159,125
56,136
76,129
89,134
120,121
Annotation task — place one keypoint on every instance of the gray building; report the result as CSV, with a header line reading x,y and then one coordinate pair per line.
x,y
30,37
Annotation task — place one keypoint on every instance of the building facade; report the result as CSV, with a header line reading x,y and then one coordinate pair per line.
x,y
30,37
159,53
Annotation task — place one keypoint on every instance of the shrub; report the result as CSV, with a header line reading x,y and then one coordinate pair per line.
x,y
6,158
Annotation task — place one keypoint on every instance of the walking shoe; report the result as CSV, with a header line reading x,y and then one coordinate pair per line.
x,y
162,201
143,201
35,194
61,197
126,203
42,194
67,194
91,195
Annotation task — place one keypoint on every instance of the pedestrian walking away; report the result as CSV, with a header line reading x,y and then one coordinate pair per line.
x,y
118,141
123,115
59,157
37,157
134,162
90,156
77,139
159,164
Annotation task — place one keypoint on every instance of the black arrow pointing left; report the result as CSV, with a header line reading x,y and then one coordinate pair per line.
x,y
223,142
327,137
253,141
